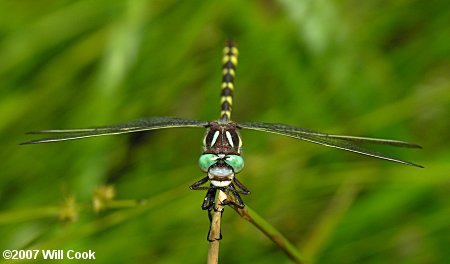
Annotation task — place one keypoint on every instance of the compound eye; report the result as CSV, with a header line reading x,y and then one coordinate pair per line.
x,y
236,162
207,160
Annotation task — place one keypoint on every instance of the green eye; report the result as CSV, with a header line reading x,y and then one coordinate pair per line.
x,y
207,160
236,162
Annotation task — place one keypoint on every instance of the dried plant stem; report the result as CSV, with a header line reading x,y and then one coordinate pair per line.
x,y
270,231
214,233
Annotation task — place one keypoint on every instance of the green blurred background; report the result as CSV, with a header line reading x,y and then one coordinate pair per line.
x,y
367,68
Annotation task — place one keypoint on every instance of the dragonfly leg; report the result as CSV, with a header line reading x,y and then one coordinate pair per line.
x,y
208,202
198,185
241,186
239,203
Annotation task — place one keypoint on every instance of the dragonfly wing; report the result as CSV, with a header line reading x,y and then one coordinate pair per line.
x,y
377,141
347,143
143,124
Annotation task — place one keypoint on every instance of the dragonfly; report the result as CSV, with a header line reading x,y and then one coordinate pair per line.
x,y
221,159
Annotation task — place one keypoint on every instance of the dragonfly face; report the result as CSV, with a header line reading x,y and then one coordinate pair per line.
x,y
221,168
221,157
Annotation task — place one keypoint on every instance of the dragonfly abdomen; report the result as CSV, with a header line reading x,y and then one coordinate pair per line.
x,y
230,54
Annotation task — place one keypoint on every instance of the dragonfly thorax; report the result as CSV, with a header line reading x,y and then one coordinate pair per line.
x,y
222,138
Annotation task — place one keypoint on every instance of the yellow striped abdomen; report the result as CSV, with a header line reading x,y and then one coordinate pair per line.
x,y
229,61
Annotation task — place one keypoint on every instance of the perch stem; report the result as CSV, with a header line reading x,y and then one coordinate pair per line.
x,y
214,233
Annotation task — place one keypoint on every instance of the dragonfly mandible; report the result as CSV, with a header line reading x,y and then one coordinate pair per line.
x,y
221,159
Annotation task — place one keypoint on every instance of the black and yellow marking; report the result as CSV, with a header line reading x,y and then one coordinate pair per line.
x,y
230,54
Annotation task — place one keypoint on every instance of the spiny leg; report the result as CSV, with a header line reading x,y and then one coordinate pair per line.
x,y
208,202
241,186
239,203
198,185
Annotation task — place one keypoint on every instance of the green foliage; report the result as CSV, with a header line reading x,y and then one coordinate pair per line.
x,y
367,68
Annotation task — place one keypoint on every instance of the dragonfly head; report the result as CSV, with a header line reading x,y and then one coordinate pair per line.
x,y
221,168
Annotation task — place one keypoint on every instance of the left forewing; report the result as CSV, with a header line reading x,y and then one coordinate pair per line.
x,y
143,124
